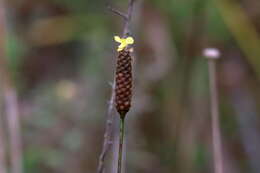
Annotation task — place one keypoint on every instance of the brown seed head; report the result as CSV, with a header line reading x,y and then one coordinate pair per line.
x,y
123,88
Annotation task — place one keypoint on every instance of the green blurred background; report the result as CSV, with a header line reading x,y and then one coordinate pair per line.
x,y
61,56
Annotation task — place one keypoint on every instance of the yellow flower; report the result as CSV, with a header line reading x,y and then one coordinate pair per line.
x,y
124,42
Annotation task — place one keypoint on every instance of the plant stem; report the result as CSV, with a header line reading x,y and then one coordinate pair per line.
x,y
10,101
3,167
216,137
14,130
121,142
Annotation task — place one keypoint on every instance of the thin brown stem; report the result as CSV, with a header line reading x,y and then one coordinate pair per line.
x,y
216,136
121,143
117,12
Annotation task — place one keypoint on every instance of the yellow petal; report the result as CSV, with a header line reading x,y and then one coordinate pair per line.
x,y
117,39
122,45
123,40
129,40
119,49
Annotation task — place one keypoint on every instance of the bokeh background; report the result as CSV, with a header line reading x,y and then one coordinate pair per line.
x,y
60,56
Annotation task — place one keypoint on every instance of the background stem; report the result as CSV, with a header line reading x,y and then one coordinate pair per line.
x,y
10,101
216,137
14,130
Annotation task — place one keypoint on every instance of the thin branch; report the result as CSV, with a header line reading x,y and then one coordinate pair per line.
x,y
110,118
117,12
108,132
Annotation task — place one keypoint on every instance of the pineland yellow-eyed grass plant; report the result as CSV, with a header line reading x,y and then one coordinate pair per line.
x,y
122,87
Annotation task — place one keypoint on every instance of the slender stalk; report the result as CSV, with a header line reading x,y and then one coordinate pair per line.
x,y
216,136
3,168
124,16
129,17
10,101
121,143
14,130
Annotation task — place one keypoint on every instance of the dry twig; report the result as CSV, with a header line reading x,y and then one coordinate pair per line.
x,y
108,132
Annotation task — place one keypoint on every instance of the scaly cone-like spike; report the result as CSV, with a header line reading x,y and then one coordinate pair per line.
x,y
123,88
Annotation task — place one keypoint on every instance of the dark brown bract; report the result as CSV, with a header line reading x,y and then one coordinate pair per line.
x,y
123,88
